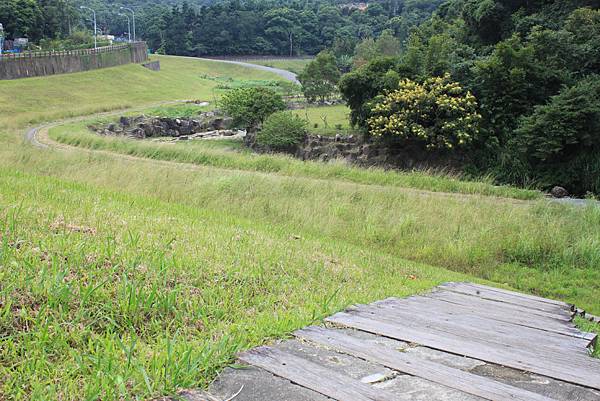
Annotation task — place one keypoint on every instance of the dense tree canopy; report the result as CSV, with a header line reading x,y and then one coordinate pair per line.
x,y
532,67
224,27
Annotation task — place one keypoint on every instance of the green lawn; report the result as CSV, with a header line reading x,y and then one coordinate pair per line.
x,y
327,120
294,65
128,278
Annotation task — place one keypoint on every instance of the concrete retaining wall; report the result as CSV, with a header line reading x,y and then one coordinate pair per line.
x,y
35,64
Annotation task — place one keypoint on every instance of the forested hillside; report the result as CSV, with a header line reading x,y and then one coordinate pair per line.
x,y
202,27
517,92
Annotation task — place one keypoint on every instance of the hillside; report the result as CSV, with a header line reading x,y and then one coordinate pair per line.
x,y
137,268
275,27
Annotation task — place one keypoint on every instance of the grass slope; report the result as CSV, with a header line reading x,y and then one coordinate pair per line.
x,y
127,279
34,100
327,120
209,154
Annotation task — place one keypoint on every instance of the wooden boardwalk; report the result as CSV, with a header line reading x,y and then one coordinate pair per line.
x,y
461,342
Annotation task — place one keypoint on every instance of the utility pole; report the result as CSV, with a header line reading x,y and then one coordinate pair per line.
x,y
128,25
95,26
291,44
133,14
1,38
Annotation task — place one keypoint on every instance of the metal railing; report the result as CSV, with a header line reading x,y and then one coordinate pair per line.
x,y
79,52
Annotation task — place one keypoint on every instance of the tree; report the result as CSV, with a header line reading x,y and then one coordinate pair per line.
x,y
386,45
438,114
510,82
250,106
360,86
20,18
565,127
320,77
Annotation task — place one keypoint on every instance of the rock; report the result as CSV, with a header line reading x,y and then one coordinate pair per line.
x,y
125,121
137,133
222,123
559,192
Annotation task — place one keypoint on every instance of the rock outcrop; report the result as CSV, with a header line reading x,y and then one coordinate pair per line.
x,y
142,127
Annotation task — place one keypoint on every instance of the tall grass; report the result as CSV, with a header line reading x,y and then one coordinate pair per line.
x,y
160,295
78,135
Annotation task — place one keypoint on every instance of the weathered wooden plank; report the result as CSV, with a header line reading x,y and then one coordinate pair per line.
x,y
526,348
561,327
415,366
555,326
418,313
315,377
492,305
586,374
523,350
562,304
506,298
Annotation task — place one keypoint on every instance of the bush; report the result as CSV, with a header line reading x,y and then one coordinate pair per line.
x,y
251,106
282,131
438,114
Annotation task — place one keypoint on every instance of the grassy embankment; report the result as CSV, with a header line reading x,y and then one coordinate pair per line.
x,y
128,278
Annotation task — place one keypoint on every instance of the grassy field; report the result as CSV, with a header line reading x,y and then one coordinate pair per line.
x,y
327,120
34,100
294,65
130,278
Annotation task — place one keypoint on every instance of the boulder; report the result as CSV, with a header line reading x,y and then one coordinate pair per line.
x,y
559,192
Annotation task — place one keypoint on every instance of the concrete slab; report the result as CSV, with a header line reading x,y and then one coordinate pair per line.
x,y
259,385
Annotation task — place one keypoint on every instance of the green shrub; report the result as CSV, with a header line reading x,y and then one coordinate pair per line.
x,y
282,131
251,106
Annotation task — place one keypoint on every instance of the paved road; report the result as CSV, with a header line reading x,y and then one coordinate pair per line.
x,y
290,76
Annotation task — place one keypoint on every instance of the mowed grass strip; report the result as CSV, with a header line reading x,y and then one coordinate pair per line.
x,y
78,134
327,120
112,296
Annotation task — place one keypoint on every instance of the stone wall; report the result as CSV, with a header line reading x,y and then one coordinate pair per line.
x,y
35,64
356,150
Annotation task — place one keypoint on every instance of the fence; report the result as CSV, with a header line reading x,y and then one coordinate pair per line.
x,y
35,64
258,58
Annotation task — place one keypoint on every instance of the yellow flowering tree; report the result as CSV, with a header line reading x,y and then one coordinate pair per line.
x,y
438,113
